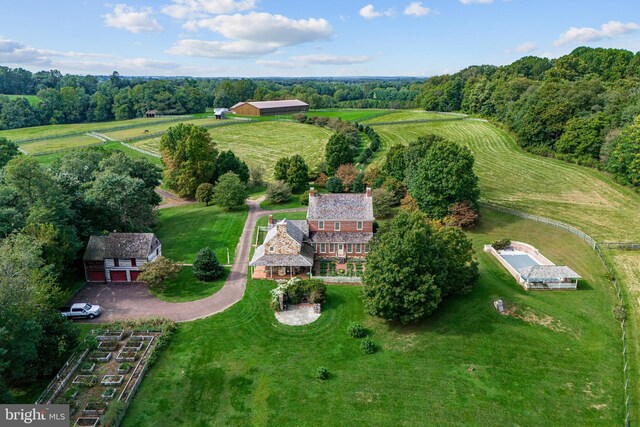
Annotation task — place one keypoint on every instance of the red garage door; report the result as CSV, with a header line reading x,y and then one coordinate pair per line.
x,y
96,276
134,275
118,276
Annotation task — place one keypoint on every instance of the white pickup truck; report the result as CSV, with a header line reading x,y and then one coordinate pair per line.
x,y
81,310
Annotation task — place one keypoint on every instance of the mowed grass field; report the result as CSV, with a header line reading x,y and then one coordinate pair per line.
x,y
352,115
69,143
151,127
557,362
580,196
60,130
411,115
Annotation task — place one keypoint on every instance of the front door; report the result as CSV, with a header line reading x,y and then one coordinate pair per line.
x,y
340,250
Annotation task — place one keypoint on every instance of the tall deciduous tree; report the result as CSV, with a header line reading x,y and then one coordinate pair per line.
x,y
230,192
340,150
8,150
442,177
412,266
190,157
204,193
229,162
158,271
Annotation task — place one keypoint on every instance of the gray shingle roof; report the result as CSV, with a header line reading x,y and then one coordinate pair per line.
x,y
304,259
329,207
297,229
120,245
339,237
279,104
546,272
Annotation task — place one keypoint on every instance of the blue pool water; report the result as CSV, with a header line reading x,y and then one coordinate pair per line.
x,y
518,260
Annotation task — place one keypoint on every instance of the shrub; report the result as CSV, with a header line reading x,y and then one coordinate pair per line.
x,y
334,185
461,215
356,330
499,245
304,198
206,266
322,373
299,117
204,193
155,273
368,346
322,179
314,289
347,174
278,192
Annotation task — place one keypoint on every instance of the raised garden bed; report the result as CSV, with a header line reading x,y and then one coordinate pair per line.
x,y
134,346
112,379
124,368
87,421
109,393
95,408
85,380
140,337
110,336
108,345
71,393
101,356
87,367
127,356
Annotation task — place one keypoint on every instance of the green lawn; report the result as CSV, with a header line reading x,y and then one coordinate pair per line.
x,y
580,196
188,288
109,146
33,99
559,364
184,230
59,144
154,127
408,115
352,115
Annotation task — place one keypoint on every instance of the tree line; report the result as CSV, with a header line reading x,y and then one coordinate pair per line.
x,y
76,99
580,107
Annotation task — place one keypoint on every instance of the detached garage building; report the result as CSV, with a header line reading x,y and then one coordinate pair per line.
x,y
119,256
270,108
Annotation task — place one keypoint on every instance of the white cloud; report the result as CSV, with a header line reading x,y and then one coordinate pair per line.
x,y
189,9
221,49
416,9
15,53
587,34
266,28
476,1
303,61
369,12
129,18
526,47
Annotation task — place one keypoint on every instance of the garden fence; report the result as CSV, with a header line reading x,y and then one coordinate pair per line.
x,y
62,378
597,247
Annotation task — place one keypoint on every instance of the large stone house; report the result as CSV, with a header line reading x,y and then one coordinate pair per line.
x,y
338,227
118,257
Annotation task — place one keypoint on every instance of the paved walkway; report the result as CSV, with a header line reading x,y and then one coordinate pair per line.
x,y
297,315
133,300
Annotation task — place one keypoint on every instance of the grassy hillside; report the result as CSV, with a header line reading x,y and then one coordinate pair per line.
x,y
580,196
556,363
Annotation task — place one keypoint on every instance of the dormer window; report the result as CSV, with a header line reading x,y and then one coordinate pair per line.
x,y
336,226
320,225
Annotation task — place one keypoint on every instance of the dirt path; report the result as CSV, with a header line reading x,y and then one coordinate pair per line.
x,y
170,200
129,301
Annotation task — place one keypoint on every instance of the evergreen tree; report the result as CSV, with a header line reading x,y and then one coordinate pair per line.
x,y
206,266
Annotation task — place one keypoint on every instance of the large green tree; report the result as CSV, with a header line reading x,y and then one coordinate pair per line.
x,y
230,192
229,162
412,266
8,150
340,150
442,177
190,157
298,173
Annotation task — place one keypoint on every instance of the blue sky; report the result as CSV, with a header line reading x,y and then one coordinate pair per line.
x,y
241,38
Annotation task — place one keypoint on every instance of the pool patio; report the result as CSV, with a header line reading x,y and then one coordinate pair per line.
x,y
533,270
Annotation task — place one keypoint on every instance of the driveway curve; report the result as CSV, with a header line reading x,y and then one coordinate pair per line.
x,y
133,300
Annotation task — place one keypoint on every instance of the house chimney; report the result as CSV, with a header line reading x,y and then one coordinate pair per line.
x,y
270,219
312,192
368,191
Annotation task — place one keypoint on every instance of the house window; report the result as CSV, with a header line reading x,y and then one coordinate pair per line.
x,y
116,262
336,226
366,249
349,248
323,247
358,248
272,249
359,225
332,247
133,262
320,225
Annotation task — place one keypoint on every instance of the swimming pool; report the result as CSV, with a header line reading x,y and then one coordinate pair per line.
x,y
518,260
